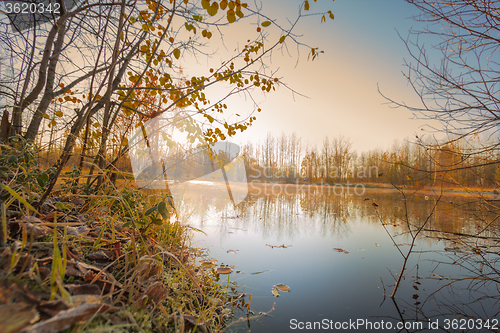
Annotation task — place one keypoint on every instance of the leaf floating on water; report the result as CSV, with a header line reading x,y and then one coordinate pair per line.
x,y
282,246
341,250
403,244
378,245
259,272
282,287
232,251
440,277
361,250
223,270
275,292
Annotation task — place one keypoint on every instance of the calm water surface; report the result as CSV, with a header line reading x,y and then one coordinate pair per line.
x,y
331,287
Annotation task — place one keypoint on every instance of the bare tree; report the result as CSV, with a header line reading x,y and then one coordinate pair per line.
x,y
95,58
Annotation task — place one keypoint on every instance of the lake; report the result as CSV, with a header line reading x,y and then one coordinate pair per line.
x,y
332,251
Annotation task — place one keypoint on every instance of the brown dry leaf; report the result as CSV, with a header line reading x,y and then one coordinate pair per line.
x,y
65,319
16,316
39,231
157,292
30,219
83,289
275,292
341,250
282,287
51,308
98,256
378,245
50,216
78,201
223,270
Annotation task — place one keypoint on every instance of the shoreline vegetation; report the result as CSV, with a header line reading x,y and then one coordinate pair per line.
x,y
89,258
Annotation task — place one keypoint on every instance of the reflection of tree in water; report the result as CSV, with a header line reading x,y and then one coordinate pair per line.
x,y
308,212
467,289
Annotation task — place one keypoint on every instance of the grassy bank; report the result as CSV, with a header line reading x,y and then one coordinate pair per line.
x,y
99,259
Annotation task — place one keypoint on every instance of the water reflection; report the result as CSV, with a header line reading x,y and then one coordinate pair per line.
x,y
338,286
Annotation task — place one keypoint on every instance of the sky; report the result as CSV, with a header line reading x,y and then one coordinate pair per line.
x,y
362,53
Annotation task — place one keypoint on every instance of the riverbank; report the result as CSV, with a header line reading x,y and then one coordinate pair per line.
x,y
360,189
113,258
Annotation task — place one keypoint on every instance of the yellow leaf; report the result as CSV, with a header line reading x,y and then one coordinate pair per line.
x,y
265,23
124,141
223,4
231,16
275,292
212,10
177,53
59,113
46,116
331,14
53,123
145,27
306,5
282,39
282,287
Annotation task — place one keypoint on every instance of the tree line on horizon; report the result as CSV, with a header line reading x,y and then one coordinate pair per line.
x,y
419,163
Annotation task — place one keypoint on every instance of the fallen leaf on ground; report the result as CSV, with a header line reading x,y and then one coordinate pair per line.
x,y
65,319
14,317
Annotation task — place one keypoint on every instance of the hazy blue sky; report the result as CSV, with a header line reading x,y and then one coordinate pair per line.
x,y
362,51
